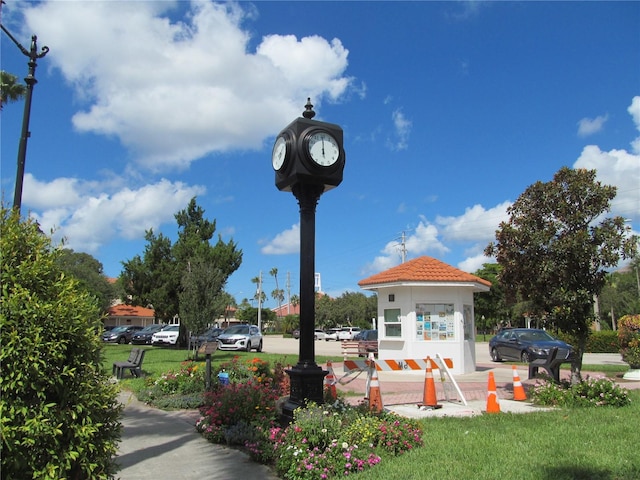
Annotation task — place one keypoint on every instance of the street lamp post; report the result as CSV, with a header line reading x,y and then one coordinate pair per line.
x,y
30,80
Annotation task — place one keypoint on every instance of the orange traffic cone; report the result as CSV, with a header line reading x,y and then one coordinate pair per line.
x,y
429,398
492,396
330,383
375,398
518,389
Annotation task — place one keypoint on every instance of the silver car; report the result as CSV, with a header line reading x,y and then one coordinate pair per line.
x,y
241,337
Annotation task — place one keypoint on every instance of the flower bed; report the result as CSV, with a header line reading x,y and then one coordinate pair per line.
x,y
322,442
629,338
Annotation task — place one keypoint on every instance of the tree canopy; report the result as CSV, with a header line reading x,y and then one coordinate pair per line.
x,y
184,279
89,273
556,247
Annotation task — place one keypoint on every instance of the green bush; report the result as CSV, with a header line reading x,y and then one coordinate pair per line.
x,y
58,408
604,341
592,392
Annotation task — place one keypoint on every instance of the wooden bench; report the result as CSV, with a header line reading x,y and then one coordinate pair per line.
x,y
133,364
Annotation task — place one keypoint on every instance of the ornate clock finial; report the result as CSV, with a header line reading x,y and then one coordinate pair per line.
x,y
308,110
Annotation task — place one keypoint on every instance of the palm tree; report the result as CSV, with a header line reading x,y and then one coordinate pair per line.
x,y
10,89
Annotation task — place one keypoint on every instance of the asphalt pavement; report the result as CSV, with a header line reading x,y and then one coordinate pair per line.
x,y
164,444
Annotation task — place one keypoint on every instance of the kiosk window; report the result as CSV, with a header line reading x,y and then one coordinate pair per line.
x,y
392,323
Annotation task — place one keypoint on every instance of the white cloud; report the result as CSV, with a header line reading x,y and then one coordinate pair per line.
x,y
476,224
423,240
589,126
175,91
284,243
634,111
87,217
402,130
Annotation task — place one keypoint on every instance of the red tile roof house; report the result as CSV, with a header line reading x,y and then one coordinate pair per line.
x,y
425,307
122,314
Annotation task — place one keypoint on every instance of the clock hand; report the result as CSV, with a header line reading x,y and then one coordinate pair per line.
x,y
323,146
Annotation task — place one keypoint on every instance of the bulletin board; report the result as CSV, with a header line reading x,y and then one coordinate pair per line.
x,y
435,322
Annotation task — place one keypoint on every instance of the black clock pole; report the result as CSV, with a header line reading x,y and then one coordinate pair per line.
x,y
307,174
307,378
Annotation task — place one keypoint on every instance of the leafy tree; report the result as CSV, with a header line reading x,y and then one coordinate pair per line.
x,y
10,89
159,277
621,295
554,252
199,303
492,304
60,412
88,271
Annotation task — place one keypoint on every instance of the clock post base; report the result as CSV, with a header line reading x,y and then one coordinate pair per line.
x,y
306,385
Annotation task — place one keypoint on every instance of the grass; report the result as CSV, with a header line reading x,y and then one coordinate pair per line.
x,y
593,444
573,444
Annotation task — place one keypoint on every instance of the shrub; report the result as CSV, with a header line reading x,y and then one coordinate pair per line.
x,y
592,392
252,402
629,337
59,410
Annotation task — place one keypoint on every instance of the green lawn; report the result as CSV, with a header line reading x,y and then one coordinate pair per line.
x,y
577,444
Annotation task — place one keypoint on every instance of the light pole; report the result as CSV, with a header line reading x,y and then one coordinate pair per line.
x,y
30,80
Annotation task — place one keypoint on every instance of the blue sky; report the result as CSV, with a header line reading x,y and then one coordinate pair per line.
x,y
450,111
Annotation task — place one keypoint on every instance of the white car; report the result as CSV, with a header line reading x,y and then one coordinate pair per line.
x,y
319,334
167,336
331,334
347,333
241,337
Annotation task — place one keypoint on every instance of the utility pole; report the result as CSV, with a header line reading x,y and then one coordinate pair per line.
x,y
403,248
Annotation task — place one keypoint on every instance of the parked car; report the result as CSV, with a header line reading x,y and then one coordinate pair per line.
x,y
167,336
318,334
143,337
347,333
367,342
121,334
525,345
211,335
241,337
332,334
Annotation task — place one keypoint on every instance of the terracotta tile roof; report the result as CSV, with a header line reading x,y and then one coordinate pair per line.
x,y
122,310
422,269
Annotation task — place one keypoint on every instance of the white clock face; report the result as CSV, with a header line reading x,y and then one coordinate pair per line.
x,y
323,149
279,153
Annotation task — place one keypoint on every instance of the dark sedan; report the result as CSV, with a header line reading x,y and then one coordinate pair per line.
x,y
367,342
121,334
525,345
143,337
210,335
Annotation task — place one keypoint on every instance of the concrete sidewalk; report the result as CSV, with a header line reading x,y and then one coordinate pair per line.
x,y
158,444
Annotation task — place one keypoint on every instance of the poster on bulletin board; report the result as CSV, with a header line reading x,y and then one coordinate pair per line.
x,y
435,322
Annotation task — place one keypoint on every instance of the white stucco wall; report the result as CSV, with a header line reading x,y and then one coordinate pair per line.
x,y
412,346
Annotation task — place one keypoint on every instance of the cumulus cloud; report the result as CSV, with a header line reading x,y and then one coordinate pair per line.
x,y
173,91
476,224
589,126
87,216
424,240
284,243
620,168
